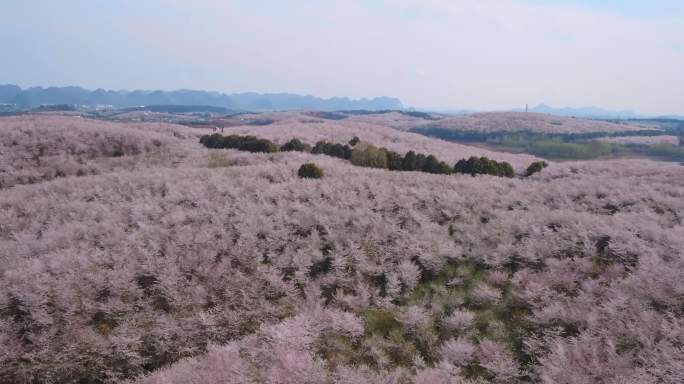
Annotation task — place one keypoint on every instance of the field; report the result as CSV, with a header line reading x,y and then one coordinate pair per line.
x,y
488,122
641,140
129,252
533,122
550,137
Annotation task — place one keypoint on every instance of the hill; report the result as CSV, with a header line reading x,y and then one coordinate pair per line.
x,y
533,122
496,122
33,97
584,112
546,136
130,252
283,126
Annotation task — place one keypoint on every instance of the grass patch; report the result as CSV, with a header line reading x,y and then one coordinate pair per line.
x,y
218,160
380,322
386,343
456,279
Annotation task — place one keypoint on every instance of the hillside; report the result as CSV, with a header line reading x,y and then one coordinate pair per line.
x,y
583,112
286,125
130,252
545,136
488,122
641,140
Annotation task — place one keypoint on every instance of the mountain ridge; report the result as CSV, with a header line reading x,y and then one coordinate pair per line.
x,y
250,101
588,111
32,97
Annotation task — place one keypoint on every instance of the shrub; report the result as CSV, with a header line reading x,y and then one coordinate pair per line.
x,y
310,171
484,166
507,169
366,155
433,165
243,143
417,162
295,145
355,140
334,150
420,162
250,143
212,141
535,167
394,160
409,161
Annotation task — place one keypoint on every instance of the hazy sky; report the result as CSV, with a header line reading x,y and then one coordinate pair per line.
x,y
481,54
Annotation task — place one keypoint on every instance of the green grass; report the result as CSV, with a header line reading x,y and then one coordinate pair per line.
x,y
667,151
563,150
385,340
380,322
218,160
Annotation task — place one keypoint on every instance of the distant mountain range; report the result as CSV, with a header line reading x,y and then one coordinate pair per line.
x,y
584,112
588,112
36,96
595,113
250,101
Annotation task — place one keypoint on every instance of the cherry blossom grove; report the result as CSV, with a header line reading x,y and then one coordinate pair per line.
x,y
129,252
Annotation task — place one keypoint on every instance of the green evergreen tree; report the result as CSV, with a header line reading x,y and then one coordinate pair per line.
x,y
409,161
295,145
366,155
394,160
310,171
535,167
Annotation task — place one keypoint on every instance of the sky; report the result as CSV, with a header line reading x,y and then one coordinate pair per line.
x,y
432,54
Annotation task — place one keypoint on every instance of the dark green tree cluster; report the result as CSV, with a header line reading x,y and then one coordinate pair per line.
x,y
484,166
535,167
310,171
419,162
366,155
295,145
243,143
394,160
334,150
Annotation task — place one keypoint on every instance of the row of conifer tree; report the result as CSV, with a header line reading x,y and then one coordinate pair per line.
x,y
367,155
